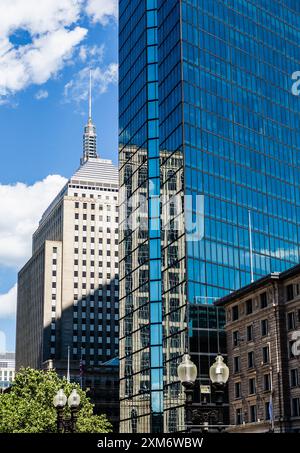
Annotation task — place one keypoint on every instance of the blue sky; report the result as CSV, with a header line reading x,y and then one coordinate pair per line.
x,y
44,61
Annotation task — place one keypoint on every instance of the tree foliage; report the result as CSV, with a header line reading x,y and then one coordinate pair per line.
x,y
28,407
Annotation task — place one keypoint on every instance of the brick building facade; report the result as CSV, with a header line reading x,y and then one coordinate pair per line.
x,y
263,346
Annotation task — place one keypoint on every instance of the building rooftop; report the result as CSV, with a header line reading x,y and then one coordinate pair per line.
x,y
7,356
263,281
97,170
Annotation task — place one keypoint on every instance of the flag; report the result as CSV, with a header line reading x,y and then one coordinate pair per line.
x,y
271,410
81,370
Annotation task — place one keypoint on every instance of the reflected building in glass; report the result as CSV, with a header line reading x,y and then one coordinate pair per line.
x,y
209,157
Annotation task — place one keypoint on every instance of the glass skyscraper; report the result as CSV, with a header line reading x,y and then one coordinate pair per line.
x,y
209,171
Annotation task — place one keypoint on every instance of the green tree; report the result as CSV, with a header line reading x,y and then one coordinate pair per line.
x,y
28,407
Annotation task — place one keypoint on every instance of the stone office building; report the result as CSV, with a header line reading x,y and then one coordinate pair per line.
x,y
68,290
263,346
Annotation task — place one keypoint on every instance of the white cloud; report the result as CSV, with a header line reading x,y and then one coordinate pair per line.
x,y
20,210
37,16
77,89
52,37
8,303
91,54
102,11
41,94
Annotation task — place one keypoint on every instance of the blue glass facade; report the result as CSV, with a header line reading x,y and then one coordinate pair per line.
x,y
218,138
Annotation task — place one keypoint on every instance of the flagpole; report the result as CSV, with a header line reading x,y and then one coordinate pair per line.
x,y
271,386
250,246
68,370
80,368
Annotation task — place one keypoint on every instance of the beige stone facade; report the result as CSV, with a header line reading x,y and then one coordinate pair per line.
x,y
68,290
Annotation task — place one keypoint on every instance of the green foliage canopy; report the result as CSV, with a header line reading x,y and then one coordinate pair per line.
x,y
28,407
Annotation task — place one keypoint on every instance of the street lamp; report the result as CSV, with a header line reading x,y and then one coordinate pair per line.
x,y
219,374
187,373
203,414
66,424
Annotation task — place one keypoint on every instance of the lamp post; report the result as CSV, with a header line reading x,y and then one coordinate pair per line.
x,y
187,373
66,424
203,414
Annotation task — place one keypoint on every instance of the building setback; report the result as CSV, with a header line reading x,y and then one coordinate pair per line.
x,y
68,290
263,347
209,145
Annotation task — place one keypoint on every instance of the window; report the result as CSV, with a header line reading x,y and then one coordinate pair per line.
x,y
76,204
253,414
294,377
252,386
264,327
76,216
236,364
237,390
249,307
235,338
289,292
298,315
250,359
263,300
238,416
295,407
267,382
291,320
250,333
235,313
266,354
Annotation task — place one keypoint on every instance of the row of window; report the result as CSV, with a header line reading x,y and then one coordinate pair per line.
x,y
249,306
240,416
107,305
101,229
264,330
92,264
83,195
91,318
93,217
100,240
265,355
101,219
252,386
85,205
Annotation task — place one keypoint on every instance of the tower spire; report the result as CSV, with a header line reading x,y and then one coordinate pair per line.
x,y
90,96
89,136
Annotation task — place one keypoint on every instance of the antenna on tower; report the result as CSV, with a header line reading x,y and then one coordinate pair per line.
x,y
90,96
